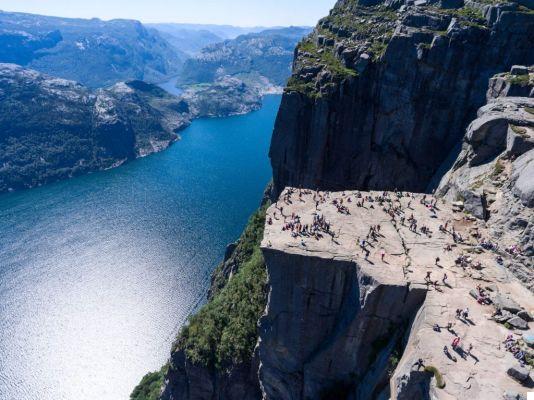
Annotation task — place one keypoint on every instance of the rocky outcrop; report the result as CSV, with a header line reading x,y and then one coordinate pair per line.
x,y
493,176
382,92
376,321
53,129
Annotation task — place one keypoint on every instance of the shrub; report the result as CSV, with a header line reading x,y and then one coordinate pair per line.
x,y
224,331
150,386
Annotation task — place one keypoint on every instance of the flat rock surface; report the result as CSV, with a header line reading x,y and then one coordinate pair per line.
x,y
408,257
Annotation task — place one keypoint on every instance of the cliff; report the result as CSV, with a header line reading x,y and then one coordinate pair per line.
x,y
346,321
384,95
493,176
381,92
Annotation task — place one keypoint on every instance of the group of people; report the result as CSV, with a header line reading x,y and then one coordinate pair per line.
x,y
513,347
315,229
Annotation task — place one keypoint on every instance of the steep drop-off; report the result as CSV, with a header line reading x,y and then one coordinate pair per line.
x,y
381,93
380,98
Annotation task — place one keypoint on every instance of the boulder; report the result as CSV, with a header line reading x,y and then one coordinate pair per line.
x,y
519,373
518,322
519,70
525,315
506,303
505,316
511,395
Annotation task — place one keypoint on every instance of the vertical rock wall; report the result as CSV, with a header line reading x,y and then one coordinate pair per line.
x,y
392,122
326,326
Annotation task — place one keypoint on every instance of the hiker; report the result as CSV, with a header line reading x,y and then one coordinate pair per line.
x,y
437,261
455,342
444,279
458,313
382,254
427,277
419,363
465,313
470,348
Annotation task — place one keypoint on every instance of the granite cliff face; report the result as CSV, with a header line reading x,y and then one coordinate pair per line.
x,y
381,92
52,129
493,176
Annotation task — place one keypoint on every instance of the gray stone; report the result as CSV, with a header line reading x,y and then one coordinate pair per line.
x,y
525,315
518,322
511,395
506,303
503,317
519,70
519,373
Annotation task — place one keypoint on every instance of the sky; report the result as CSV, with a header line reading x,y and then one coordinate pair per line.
x,y
232,12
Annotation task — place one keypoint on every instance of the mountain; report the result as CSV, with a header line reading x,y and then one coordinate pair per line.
x,y
222,31
189,41
93,52
259,59
393,251
52,129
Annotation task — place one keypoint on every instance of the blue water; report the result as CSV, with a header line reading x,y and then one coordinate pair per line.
x,y
98,273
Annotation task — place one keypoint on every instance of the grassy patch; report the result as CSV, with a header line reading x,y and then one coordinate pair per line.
x,y
467,15
530,110
519,130
521,80
224,331
440,382
150,386
497,169
333,64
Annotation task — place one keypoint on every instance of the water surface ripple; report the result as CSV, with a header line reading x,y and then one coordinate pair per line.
x,y
98,273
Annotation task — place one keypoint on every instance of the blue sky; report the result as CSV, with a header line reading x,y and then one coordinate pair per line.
x,y
233,12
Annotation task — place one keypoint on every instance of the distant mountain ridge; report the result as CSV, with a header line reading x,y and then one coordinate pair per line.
x,y
93,52
261,59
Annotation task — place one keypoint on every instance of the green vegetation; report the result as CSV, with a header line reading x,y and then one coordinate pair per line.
x,y
507,325
440,383
467,15
150,386
224,331
521,80
296,85
497,169
521,131
530,110
378,49
327,58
